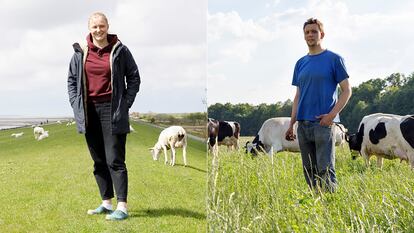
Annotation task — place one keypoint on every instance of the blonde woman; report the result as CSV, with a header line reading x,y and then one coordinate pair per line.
x,y
103,81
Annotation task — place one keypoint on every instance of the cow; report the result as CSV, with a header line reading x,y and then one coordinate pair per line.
x,y
340,132
222,133
385,136
271,137
171,138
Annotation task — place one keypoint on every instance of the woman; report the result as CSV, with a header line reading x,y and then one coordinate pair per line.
x,y
103,81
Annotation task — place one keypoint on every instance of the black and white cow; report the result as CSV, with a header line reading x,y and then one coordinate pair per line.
x,y
385,136
271,137
223,133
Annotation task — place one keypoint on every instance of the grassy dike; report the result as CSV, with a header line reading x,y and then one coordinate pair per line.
x,y
252,195
48,185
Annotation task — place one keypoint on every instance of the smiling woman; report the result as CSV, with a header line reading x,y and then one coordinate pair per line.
x,y
102,84
167,39
98,26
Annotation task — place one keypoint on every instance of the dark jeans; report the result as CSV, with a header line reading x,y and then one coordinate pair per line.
x,y
318,154
107,152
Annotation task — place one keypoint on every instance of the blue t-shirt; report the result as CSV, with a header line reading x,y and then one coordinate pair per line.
x,y
317,77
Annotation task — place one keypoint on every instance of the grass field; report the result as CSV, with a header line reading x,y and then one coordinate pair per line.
x,y
252,195
48,185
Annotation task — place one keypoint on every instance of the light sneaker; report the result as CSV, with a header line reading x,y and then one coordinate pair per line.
x,y
100,210
117,215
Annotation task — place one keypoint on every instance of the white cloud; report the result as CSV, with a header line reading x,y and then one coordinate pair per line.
x,y
167,39
374,43
230,37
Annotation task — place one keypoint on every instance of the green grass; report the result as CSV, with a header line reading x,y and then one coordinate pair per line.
x,y
48,185
252,195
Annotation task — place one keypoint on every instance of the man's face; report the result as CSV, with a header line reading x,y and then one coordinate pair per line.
x,y
313,35
98,28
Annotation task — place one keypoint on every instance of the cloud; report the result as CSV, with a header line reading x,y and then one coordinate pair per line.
x,y
258,55
230,37
167,39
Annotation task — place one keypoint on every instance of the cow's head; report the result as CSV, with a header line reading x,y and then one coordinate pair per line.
x,y
254,147
212,131
355,140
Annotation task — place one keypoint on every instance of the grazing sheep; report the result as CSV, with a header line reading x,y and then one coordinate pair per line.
x,y
131,129
70,123
37,131
43,135
16,135
171,138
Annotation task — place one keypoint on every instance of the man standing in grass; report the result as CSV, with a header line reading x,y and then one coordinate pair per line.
x,y
316,107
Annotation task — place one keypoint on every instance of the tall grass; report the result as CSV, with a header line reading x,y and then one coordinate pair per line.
x,y
251,195
48,185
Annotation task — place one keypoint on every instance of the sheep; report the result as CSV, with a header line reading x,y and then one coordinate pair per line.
x,y
16,135
37,131
131,129
171,137
44,135
70,123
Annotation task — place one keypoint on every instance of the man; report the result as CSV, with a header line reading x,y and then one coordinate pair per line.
x,y
316,107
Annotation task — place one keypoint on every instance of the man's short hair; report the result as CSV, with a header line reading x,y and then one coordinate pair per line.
x,y
314,21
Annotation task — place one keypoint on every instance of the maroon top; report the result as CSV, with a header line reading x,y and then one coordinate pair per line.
x,y
98,70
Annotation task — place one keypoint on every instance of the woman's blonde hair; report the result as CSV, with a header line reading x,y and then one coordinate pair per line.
x,y
98,14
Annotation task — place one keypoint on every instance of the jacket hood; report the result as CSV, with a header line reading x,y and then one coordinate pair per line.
x,y
76,46
112,39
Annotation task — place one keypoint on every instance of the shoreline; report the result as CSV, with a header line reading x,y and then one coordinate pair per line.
x,y
10,122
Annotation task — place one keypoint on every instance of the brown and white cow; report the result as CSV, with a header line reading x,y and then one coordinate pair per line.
x,y
223,133
385,136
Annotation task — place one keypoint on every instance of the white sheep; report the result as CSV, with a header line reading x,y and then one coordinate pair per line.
x,y
44,135
131,129
171,138
70,123
37,131
16,135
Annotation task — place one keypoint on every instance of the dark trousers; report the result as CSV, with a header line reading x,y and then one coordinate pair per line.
x,y
107,152
318,154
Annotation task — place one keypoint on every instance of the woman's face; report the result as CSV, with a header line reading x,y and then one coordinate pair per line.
x,y
98,28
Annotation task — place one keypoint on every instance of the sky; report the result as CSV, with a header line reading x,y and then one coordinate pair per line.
x,y
194,53
166,38
253,45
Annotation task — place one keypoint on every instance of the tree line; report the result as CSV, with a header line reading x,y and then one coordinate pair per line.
x,y
393,94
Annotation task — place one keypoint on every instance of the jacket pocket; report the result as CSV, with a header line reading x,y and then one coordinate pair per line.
x,y
121,112
77,107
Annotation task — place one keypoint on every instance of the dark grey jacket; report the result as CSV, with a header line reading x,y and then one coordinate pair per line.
x,y
125,81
